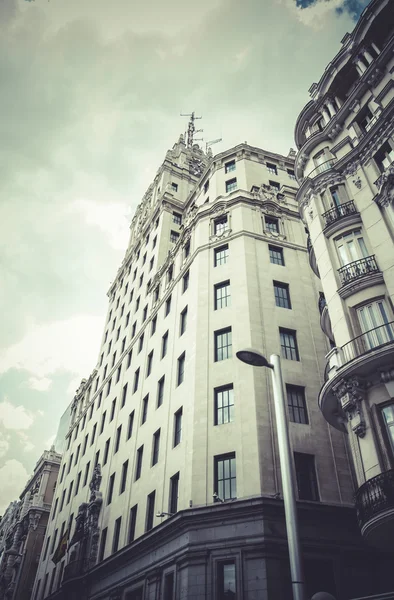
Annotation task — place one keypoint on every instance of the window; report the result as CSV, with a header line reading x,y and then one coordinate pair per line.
x,y
117,333
174,488
63,469
174,235
156,293
384,157
185,281
220,255
93,434
167,306
224,405
271,224
105,372
231,185
70,463
123,479
91,411
108,387
137,303
351,247
229,166
46,547
222,295
375,323
176,217
136,380
141,281
135,274
272,168
70,491
220,225
109,347
288,344
54,541
145,314
111,488
78,483
77,454
131,296
170,273
150,511
144,259
55,509
275,185
154,239
306,476
68,442
129,356
169,586
177,427
122,311
101,359
282,294
153,325
115,541
144,413
164,344
160,391
117,302
132,523
181,369
85,476
223,344
98,406
276,255
134,327
113,406
226,580
297,404
138,467
118,372
117,440
96,458
140,343
183,321
186,250
106,451
225,476
123,345
291,174
206,186
155,447
130,425
149,364
152,260
103,541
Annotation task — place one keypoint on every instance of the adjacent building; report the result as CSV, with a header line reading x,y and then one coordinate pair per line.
x,y
22,530
345,166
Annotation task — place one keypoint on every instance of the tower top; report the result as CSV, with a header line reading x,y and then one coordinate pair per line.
x,y
191,129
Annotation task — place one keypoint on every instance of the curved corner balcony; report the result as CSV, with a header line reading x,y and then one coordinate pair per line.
x,y
375,510
357,269
325,321
312,257
339,212
325,166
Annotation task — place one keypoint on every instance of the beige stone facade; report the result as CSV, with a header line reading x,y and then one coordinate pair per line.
x,y
345,167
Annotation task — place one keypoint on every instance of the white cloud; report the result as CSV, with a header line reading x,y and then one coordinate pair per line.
x,y
50,441
315,16
14,417
4,446
26,443
13,477
41,385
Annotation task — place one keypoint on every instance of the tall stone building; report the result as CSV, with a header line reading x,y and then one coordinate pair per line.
x,y
345,165
22,529
170,485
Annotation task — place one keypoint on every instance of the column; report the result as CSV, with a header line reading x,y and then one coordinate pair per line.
x,y
39,498
338,101
325,115
331,107
361,68
374,46
368,57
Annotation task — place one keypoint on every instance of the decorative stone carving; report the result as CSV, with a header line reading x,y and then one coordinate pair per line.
x,y
386,194
334,132
350,393
196,167
351,168
381,135
357,182
387,376
375,77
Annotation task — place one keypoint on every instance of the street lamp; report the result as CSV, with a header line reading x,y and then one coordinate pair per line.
x,y
256,359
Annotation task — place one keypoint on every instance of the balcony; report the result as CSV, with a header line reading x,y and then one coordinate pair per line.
x,y
357,269
338,212
368,341
325,166
312,257
375,510
325,321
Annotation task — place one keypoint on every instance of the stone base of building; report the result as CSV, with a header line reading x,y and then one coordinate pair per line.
x,y
182,559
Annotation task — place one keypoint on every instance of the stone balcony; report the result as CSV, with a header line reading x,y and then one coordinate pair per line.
x,y
375,510
312,257
325,321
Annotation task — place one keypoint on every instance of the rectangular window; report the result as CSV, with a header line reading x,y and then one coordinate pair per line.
x,y
55,509
152,260
160,391
288,344
176,217
54,541
103,541
155,447
186,250
102,422
117,439
136,380
78,483
185,282
226,580
297,404
106,451
275,185
115,541
98,406
153,325
133,329
140,343
130,425
164,344
271,224
167,306
124,396
351,247
229,166
150,511
223,344
131,296
93,434
220,225
129,356
177,427
70,491
170,274
63,469
220,255
282,294
96,459
272,168
70,463
137,303
132,523
384,157
118,372
141,281
174,489
181,369
111,488
222,295
149,364
156,293
86,474
231,185
224,405
105,372
306,476
46,547
113,407
291,174
77,454
138,467
174,235
108,387
183,321
144,413
276,255
206,186
123,345
123,479
117,333
225,476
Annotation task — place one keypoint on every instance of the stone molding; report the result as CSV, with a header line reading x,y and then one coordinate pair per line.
x,y
351,393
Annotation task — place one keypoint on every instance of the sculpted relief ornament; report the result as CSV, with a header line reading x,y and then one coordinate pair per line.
x,y
386,185
351,393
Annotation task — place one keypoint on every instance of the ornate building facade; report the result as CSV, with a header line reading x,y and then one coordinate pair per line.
x,y
345,166
23,527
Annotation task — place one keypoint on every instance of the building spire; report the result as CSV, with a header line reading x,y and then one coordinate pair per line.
x,y
191,129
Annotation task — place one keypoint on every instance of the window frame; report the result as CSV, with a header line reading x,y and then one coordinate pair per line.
x,y
219,489
223,285
299,407
229,406
291,333
219,350
281,299
222,259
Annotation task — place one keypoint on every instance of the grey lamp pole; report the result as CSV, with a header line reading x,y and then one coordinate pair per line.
x,y
256,359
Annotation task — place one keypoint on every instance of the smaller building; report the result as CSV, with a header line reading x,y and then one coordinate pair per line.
x,y
22,529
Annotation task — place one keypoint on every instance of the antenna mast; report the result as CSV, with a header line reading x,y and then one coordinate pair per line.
x,y
211,143
191,129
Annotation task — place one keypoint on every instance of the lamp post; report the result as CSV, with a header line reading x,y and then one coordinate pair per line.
x,y
256,359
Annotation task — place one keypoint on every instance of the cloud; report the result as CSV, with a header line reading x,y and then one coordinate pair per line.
x,y
13,477
41,385
4,445
14,417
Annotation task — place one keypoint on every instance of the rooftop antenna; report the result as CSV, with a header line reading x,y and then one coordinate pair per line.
x,y
211,143
191,129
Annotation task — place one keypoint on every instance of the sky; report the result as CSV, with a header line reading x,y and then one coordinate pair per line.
x,y
91,93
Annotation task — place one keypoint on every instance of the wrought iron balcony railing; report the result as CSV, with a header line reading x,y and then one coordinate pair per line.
x,y
375,496
325,166
338,212
322,303
368,341
358,268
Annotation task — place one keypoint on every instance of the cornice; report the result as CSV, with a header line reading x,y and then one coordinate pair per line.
x,y
342,223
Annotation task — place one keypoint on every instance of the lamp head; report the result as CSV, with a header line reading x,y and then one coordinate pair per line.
x,y
253,357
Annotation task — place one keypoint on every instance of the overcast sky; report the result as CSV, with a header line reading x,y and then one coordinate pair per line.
x,y
90,97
